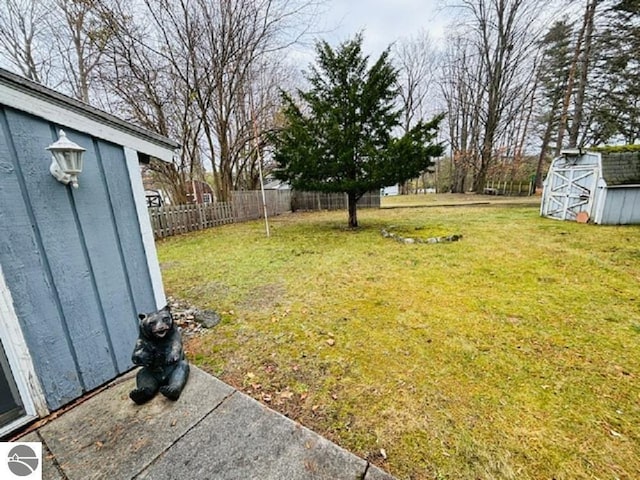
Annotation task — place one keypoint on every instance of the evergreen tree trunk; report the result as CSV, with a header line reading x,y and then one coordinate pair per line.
x,y
543,152
564,114
352,199
583,78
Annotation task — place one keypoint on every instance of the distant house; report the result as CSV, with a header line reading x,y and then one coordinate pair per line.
x,y
76,264
200,192
196,191
603,188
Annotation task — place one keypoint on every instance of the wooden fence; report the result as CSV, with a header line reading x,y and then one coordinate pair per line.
x,y
331,201
176,219
247,205
508,187
171,220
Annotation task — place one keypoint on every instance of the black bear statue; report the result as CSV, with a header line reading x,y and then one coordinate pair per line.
x,y
159,352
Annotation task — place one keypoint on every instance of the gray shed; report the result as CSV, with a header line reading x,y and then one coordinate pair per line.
x,y
76,264
603,187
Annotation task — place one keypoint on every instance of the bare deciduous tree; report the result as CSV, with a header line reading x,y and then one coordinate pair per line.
x,y
268,79
460,79
416,59
201,71
214,48
582,79
503,29
25,37
496,56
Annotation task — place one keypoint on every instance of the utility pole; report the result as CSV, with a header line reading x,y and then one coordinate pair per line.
x,y
259,155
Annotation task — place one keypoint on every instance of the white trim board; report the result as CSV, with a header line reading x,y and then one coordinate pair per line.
x,y
135,177
67,118
16,424
19,358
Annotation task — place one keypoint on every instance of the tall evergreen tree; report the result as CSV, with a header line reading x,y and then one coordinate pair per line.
x,y
553,76
341,138
616,84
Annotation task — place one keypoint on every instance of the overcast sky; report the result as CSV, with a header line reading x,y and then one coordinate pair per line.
x,y
382,21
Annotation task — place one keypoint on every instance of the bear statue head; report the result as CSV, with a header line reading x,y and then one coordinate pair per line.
x,y
156,325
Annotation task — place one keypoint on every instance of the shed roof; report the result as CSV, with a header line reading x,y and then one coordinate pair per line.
x,y
25,95
621,168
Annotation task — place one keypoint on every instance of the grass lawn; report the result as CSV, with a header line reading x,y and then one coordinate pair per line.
x,y
513,353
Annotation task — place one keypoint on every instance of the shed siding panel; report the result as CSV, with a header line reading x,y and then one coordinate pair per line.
x,y
105,257
29,277
126,221
622,207
74,259
77,266
55,211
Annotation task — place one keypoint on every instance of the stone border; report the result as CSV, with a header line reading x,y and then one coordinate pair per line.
x,y
409,240
191,320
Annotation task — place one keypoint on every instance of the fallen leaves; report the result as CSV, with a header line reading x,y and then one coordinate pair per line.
x,y
286,395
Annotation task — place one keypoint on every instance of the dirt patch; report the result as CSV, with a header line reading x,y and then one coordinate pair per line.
x,y
263,297
214,292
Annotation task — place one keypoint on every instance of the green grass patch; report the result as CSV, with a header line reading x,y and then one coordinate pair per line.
x,y
510,354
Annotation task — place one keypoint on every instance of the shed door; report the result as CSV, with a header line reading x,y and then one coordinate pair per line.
x,y
10,404
570,191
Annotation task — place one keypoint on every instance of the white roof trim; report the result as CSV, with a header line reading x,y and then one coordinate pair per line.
x,y
631,185
24,95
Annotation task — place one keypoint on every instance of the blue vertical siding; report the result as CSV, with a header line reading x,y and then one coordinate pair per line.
x,y
30,279
133,256
73,258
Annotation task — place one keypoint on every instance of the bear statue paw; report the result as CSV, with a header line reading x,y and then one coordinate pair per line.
x,y
172,393
141,395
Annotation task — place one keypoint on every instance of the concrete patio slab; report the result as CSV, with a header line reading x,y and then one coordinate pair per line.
x,y
109,436
374,473
49,469
244,440
212,432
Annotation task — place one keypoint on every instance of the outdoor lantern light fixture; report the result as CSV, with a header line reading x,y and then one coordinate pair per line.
x,y
67,160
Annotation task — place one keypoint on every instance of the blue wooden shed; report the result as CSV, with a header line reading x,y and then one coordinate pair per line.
x,y
76,264
603,187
